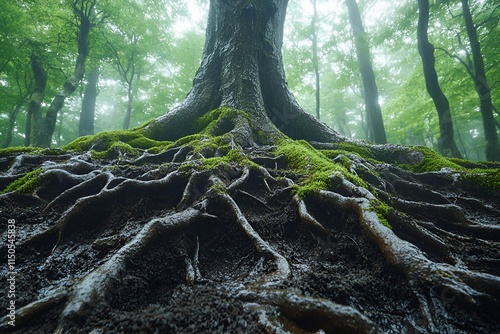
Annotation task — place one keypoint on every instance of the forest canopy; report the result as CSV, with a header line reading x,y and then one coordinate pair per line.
x,y
145,55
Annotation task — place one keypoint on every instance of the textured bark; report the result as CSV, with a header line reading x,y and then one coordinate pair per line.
x,y
84,11
373,110
446,143
482,88
87,115
242,68
34,118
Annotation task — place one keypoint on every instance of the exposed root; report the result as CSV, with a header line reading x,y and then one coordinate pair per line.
x,y
98,285
282,269
313,314
468,286
309,220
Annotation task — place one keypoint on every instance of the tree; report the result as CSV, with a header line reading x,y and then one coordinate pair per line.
x,y
86,17
482,88
34,118
372,106
211,218
87,115
446,142
315,60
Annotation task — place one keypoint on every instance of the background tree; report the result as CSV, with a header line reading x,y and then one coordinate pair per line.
x,y
315,60
482,87
446,142
232,219
87,116
373,110
86,16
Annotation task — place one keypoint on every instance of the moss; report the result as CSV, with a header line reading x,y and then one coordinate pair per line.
x,y
382,210
316,166
219,188
19,150
31,150
104,145
432,162
357,148
219,121
26,184
487,179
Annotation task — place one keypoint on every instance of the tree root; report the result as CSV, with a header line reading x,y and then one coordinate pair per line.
x,y
282,269
313,314
468,286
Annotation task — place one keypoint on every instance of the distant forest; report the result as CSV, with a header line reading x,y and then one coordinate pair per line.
x,y
141,57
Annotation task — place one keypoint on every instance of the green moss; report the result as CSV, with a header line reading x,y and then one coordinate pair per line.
x,y
26,184
219,121
314,165
104,145
17,150
382,210
487,179
31,150
432,162
357,148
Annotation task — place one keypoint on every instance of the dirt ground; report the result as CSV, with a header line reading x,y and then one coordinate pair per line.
x,y
152,295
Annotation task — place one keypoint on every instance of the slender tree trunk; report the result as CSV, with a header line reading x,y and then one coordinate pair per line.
x,y
446,142
242,67
87,116
84,10
373,110
482,88
34,117
132,87
12,118
315,60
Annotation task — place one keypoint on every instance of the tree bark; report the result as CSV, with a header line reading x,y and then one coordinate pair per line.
x,y
87,116
446,143
242,68
482,88
34,117
84,11
315,59
373,110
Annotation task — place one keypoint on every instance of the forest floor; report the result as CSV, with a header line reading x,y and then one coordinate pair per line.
x,y
195,279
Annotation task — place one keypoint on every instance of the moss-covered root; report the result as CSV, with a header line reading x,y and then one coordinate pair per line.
x,y
282,268
471,288
314,314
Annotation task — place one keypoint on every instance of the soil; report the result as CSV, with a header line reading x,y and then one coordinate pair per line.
x,y
155,295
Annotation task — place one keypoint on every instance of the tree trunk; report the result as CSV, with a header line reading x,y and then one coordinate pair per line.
x,y
446,143
373,110
84,10
233,230
482,88
132,87
315,60
87,116
242,68
34,117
